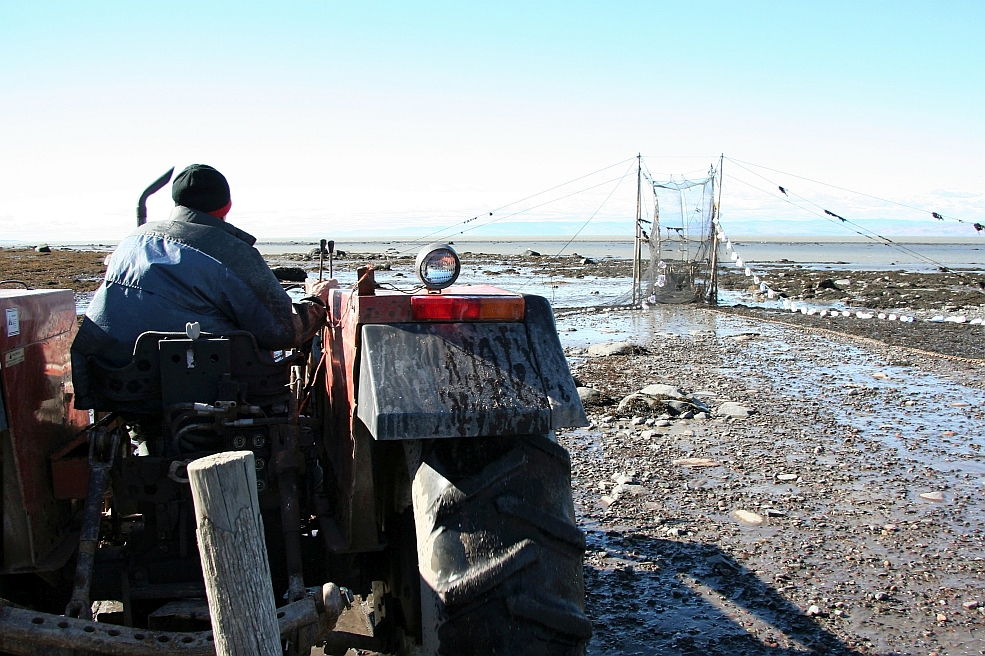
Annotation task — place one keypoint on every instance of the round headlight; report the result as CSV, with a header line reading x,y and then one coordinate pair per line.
x,y
438,266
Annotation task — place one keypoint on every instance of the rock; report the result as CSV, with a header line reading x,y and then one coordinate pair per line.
x,y
530,253
662,423
844,282
636,400
647,435
696,462
662,391
813,611
627,488
880,596
290,274
636,421
881,375
609,348
701,415
677,406
941,617
42,248
732,409
622,478
936,496
589,395
828,283
970,605
787,477
748,517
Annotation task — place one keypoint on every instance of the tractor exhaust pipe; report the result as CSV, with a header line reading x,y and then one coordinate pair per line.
x,y
142,203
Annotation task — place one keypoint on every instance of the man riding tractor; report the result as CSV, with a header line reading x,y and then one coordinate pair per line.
x,y
403,441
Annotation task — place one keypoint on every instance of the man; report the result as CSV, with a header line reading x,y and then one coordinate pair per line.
x,y
193,267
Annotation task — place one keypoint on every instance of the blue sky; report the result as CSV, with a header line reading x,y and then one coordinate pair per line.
x,y
343,118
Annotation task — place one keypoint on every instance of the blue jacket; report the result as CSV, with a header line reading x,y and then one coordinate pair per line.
x,y
193,267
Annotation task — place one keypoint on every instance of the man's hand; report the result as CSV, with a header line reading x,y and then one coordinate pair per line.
x,y
321,289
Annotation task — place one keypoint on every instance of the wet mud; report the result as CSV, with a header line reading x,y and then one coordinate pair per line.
x,y
899,291
78,270
843,516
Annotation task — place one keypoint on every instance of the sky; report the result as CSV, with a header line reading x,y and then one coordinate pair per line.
x,y
339,119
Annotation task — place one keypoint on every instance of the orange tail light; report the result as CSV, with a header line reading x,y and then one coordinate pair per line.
x,y
438,307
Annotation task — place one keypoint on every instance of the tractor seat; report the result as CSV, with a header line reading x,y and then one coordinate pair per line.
x,y
170,368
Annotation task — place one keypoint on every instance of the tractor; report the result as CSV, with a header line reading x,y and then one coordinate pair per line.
x,y
405,455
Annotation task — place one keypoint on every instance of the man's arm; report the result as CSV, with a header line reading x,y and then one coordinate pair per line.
x,y
310,313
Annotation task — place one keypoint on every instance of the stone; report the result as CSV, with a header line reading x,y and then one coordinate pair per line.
x,y
42,248
813,611
695,462
662,423
749,518
880,596
787,477
881,375
662,391
941,617
677,406
531,253
732,409
622,478
636,421
634,399
627,488
970,605
589,395
647,435
609,348
935,496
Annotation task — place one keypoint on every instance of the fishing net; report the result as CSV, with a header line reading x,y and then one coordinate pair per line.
x,y
680,240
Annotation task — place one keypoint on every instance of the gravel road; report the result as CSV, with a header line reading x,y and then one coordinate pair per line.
x,y
843,515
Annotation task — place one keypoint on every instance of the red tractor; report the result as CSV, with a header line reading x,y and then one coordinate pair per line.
x,y
407,454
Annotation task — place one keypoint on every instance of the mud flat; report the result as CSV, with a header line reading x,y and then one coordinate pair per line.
x,y
843,515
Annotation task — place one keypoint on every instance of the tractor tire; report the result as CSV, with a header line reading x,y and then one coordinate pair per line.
x,y
499,553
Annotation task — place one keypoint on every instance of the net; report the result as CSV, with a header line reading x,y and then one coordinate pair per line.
x,y
680,240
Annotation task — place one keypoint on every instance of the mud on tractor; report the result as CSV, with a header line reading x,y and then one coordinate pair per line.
x,y
406,453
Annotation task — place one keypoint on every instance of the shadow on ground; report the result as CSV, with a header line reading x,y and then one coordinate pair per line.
x,y
692,599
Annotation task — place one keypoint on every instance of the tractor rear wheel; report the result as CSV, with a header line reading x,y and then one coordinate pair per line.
x,y
499,553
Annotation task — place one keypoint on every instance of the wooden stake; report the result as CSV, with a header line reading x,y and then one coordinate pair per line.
x,y
234,557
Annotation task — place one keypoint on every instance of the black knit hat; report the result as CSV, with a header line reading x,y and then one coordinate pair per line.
x,y
200,187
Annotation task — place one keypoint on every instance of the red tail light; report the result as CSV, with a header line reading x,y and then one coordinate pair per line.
x,y
437,307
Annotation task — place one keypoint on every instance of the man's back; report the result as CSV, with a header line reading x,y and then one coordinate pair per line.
x,y
193,267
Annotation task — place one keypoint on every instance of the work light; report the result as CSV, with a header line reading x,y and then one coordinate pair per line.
x,y
438,266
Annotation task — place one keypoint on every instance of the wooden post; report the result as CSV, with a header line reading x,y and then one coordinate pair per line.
x,y
234,557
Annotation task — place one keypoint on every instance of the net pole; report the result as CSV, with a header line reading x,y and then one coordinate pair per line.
x,y
638,237
717,213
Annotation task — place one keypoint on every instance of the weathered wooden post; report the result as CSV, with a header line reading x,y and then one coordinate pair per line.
x,y
234,558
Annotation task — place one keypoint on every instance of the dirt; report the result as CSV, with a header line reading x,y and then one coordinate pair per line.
x,y
842,556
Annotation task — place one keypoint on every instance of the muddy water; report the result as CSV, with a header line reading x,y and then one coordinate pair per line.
x,y
844,440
